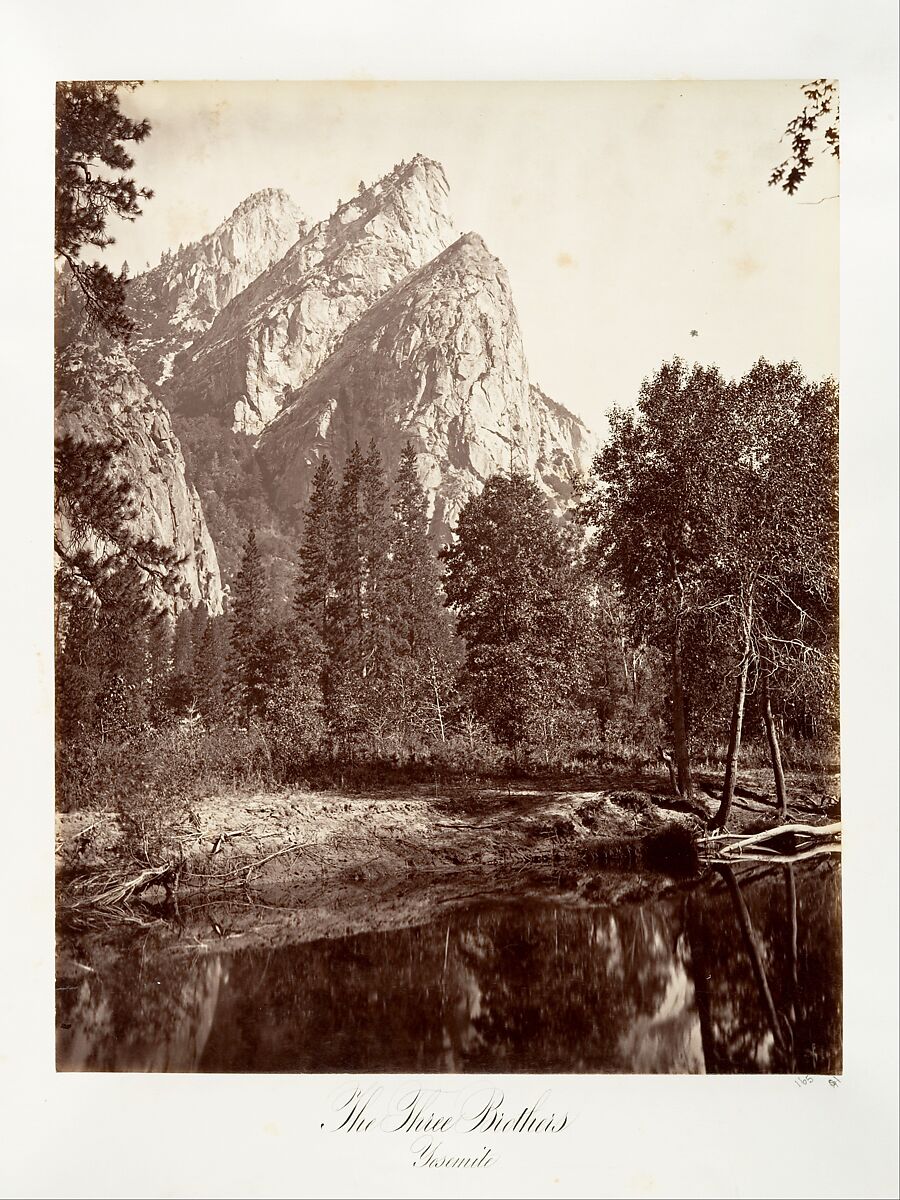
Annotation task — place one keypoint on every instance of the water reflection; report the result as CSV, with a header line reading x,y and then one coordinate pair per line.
x,y
739,972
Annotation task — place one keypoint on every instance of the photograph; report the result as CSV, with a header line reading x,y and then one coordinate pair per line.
x,y
446,578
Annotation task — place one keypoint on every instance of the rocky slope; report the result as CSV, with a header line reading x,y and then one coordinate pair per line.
x,y
178,300
100,397
439,361
274,335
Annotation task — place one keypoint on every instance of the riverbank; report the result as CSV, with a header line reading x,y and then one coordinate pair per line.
x,y
302,840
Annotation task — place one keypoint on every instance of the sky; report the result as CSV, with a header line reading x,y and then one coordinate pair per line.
x,y
627,214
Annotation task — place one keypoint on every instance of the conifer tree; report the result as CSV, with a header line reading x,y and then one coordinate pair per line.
x,y
349,564
521,606
210,670
376,541
421,635
313,598
248,623
346,633
181,683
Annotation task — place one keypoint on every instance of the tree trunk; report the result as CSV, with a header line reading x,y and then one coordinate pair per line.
x,y
437,700
774,748
734,737
679,725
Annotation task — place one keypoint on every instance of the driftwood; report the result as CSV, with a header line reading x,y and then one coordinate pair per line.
x,y
120,891
807,841
114,892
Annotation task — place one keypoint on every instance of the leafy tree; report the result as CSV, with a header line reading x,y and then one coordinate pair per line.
x,y
778,562
92,185
822,109
715,513
520,607
655,503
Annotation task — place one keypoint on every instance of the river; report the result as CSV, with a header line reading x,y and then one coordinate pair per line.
x,y
736,971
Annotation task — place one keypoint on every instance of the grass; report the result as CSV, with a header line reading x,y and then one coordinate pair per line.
x,y
151,774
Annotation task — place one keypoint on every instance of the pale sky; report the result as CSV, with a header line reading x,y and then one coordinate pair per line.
x,y
627,214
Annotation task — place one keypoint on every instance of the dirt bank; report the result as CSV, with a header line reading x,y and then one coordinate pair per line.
x,y
303,841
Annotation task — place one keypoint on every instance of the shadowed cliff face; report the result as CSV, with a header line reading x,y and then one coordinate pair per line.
x,y
176,302
284,325
438,361
100,397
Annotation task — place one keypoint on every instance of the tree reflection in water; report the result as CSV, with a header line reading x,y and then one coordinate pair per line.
x,y
739,972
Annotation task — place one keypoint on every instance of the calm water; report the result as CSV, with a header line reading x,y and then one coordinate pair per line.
x,y
739,972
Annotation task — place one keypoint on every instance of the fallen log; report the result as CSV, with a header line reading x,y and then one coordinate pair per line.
x,y
734,845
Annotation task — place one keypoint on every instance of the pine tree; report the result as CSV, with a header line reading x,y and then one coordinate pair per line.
x,y
315,577
376,541
421,635
91,137
346,632
521,606
248,623
349,565
210,670
181,690
292,705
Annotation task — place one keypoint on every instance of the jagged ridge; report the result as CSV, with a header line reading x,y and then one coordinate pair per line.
x,y
277,332
439,361
176,302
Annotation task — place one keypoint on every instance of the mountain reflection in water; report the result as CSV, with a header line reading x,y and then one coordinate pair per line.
x,y
739,972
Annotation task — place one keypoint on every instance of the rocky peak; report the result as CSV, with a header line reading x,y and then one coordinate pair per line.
x,y
274,336
439,361
176,301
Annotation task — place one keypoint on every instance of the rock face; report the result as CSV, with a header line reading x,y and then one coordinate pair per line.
x,y
273,336
377,322
437,361
100,397
178,300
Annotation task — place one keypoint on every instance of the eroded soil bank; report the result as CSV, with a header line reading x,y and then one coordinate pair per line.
x,y
295,847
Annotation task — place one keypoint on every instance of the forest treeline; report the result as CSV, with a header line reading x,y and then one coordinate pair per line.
x,y
691,591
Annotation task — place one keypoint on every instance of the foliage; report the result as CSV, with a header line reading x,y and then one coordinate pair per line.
x,y
822,109
521,609
235,498
313,597
91,137
714,515
246,669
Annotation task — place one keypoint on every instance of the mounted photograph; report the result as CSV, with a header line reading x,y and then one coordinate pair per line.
x,y
446,577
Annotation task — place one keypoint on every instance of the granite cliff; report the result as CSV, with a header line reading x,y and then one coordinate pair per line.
x,y
101,399
176,301
437,361
281,328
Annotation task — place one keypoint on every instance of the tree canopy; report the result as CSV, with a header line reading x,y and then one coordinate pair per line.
x,y
820,113
93,186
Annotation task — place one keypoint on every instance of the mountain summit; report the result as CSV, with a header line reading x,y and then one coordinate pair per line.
x,y
279,330
178,300
437,361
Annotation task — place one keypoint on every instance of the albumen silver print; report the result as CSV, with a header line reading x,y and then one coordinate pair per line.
x,y
446,578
